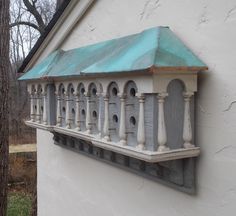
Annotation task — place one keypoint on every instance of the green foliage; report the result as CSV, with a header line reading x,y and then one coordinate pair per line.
x,y
19,204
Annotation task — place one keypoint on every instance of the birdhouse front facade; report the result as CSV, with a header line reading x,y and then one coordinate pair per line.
x,y
128,101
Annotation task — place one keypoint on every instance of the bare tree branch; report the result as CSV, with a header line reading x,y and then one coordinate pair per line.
x,y
33,10
25,23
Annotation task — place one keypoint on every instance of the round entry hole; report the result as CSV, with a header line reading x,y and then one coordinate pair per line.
x,y
82,90
94,91
132,92
132,120
83,112
94,114
114,91
115,118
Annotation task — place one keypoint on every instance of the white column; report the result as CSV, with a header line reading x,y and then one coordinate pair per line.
x,y
141,125
59,116
38,113
106,119
88,114
77,113
100,115
122,129
187,128
68,113
32,110
162,137
45,117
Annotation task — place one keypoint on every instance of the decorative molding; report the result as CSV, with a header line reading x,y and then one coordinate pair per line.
x,y
178,176
145,155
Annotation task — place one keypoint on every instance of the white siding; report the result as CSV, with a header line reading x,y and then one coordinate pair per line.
x,y
72,184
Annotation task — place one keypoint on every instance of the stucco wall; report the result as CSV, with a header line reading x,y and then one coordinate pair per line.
x,y
72,184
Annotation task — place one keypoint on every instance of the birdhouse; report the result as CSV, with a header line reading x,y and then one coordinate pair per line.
x,y
128,101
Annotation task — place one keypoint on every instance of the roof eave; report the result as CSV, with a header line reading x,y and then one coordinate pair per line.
x,y
54,25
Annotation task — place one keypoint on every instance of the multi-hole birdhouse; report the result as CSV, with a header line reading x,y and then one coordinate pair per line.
x,y
128,101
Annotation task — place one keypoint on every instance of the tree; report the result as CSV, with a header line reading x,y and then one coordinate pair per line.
x,y
29,19
4,100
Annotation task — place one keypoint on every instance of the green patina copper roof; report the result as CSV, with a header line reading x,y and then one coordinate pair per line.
x,y
155,47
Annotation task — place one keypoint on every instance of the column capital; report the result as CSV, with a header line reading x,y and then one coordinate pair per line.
x,y
99,93
87,94
122,95
66,93
188,95
106,98
162,95
140,96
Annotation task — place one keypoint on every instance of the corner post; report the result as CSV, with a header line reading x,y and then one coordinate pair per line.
x,y
141,124
162,137
187,128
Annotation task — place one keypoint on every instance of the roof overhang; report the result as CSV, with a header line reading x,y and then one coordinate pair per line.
x,y
154,50
67,9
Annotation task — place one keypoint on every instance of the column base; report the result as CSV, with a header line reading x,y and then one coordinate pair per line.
x,y
123,142
68,127
163,148
188,145
78,129
106,138
141,146
88,131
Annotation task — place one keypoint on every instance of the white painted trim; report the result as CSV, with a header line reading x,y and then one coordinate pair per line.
x,y
145,155
70,13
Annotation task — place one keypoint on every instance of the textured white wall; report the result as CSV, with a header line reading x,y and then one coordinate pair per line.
x,y
72,184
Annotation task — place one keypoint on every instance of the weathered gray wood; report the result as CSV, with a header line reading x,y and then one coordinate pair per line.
x,y
174,114
94,108
114,112
131,113
178,174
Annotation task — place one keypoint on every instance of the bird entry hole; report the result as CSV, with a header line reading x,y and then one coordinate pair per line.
x,y
82,90
114,91
94,91
42,108
83,112
94,114
132,92
132,121
63,109
73,111
115,118
35,107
